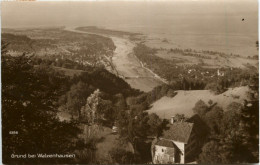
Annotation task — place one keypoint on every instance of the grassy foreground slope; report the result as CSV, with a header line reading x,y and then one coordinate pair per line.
x,y
184,101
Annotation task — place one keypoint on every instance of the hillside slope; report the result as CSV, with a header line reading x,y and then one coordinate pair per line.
x,y
184,101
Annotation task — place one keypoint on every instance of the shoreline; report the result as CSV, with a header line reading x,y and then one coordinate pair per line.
x,y
127,66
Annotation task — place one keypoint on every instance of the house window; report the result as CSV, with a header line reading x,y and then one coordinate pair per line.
x,y
162,150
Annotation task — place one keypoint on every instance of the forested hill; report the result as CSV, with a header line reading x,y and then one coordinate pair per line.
x,y
35,93
105,81
18,42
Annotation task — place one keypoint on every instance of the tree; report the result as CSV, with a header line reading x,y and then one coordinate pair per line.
x,y
98,110
211,154
237,140
27,107
213,119
249,127
135,128
250,120
86,151
231,118
121,156
179,117
120,104
234,150
155,125
184,84
4,46
75,98
215,87
210,102
201,108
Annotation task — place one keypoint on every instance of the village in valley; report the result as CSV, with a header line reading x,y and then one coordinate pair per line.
x,y
112,96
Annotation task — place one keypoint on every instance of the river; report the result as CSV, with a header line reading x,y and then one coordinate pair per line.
x,y
128,66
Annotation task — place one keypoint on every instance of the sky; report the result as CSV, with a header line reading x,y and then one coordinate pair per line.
x,y
186,13
200,24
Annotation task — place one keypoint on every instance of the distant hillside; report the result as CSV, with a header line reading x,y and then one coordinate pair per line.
x,y
49,42
19,43
108,82
184,101
94,29
99,78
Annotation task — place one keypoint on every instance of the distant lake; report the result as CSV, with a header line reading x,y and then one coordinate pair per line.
x,y
197,24
236,43
204,26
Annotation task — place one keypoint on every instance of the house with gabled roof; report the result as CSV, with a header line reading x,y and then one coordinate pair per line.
x,y
178,144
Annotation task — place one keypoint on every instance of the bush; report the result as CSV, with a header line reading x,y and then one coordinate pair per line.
x,y
122,156
216,88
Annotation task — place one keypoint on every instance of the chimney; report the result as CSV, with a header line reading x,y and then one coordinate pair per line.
x,y
173,119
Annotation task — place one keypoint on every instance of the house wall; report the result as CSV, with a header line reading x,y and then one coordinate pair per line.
x,y
161,157
181,146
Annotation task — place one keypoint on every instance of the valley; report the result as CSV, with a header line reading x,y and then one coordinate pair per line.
x,y
126,75
130,82
142,67
125,64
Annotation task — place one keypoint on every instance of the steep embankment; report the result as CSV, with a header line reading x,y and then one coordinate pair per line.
x,y
184,101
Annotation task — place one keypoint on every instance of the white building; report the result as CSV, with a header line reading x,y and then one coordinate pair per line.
x,y
180,143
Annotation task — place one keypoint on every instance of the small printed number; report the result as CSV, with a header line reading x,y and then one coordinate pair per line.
x,y
13,132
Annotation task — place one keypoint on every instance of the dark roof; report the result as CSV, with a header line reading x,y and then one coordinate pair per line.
x,y
165,143
178,131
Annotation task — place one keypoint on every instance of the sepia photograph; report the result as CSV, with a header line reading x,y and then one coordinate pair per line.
x,y
129,82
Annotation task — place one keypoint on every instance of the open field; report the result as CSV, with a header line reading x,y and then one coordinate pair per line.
x,y
207,60
243,45
184,101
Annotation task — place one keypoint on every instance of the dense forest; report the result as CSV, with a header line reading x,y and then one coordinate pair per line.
x,y
28,109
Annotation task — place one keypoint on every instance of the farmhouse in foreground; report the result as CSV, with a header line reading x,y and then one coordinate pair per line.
x,y
180,143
